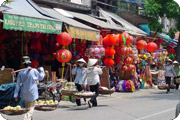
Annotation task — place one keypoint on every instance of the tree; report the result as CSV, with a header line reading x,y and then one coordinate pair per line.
x,y
160,9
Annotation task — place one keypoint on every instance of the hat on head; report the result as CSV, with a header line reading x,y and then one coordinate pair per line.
x,y
26,60
175,62
91,62
81,60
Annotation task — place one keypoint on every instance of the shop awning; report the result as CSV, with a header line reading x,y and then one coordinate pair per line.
x,y
25,16
130,27
75,28
94,21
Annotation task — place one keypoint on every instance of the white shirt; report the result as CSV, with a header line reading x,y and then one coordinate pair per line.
x,y
169,71
80,73
92,75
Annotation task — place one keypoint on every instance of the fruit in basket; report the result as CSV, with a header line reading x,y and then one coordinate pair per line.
x,y
7,108
18,107
46,102
56,102
51,101
40,101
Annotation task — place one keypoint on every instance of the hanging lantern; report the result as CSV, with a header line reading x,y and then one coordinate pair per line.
x,y
129,51
121,39
126,35
125,68
128,60
118,50
118,60
109,40
64,38
158,41
63,55
109,62
109,51
123,50
117,39
96,50
172,51
141,44
151,47
130,40
131,67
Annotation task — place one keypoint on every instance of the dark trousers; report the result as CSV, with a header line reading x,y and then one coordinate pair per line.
x,y
94,88
168,81
177,84
79,88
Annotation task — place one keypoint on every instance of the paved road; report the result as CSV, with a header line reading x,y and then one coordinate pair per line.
x,y
147,104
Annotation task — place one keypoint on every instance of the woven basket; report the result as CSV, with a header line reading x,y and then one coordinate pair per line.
x,y
106,92
162,87
84,96
177,80
68,92
46,107
14,112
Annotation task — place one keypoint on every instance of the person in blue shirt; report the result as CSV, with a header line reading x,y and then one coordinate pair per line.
x,y
79,71
26,84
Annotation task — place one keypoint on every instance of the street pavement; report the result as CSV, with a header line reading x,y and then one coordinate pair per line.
x,y
146,104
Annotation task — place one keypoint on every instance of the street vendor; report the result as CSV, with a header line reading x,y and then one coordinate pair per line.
x,y
93,80
79,71
169,72
26,84
177,70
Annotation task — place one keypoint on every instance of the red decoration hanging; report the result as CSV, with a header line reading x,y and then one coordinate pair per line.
x,y
64,38
109,62
128,60
141,44
131,67
126,35
123,50
159,41
129,51
63,55
118,60
172,51
117,39
151,47
109,51
125,68
109,40
130,40
121,41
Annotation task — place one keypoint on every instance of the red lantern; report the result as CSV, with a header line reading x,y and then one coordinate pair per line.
x,y
128,60
151,47
126,35
121,41
109,51
118,60
63,55
131,67
117,39
141,44
64,38
172,51
123,50
130,40
129,51
118,50
100,39
109,62
109,40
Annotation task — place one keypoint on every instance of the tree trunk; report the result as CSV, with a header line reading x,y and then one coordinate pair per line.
x,y
178,50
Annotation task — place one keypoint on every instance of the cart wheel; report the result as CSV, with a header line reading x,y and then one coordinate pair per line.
x,y
47,95
57,97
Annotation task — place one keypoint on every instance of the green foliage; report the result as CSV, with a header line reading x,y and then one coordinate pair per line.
x,y
172,32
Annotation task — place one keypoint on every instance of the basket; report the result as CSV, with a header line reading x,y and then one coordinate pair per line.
x,y
162,87
84,96
106,92
46,107
178,80
14,112
68,92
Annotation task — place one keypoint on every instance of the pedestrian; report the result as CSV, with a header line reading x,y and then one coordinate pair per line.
x,y
79,71
93,80
177,70
26,84
169,72
161,76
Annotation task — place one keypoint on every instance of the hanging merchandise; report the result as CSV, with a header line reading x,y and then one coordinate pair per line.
x,y
141,45
151,47
64,38
159,41
109,40
63,55
109,62
128,60
172,51
95,51
109,51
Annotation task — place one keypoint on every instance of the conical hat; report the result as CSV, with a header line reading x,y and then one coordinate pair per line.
x,y
92,62
169,60
81,60
175,62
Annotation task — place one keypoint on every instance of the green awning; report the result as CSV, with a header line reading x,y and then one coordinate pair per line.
x,y
16,22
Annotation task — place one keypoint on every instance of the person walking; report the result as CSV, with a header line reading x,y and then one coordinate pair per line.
x,y
169,72
26,84
79,71
177,70
93,80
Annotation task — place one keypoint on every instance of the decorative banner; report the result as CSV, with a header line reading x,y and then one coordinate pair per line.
x,y
14,22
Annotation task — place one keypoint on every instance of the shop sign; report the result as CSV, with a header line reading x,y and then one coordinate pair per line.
x,y
14,22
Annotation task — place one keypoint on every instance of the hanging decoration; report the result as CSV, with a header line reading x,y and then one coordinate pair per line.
x,y
151,47
141,44
64,38
109,62
109,52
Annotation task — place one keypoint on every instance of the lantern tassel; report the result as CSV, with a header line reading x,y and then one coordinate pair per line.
x,y
63,64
